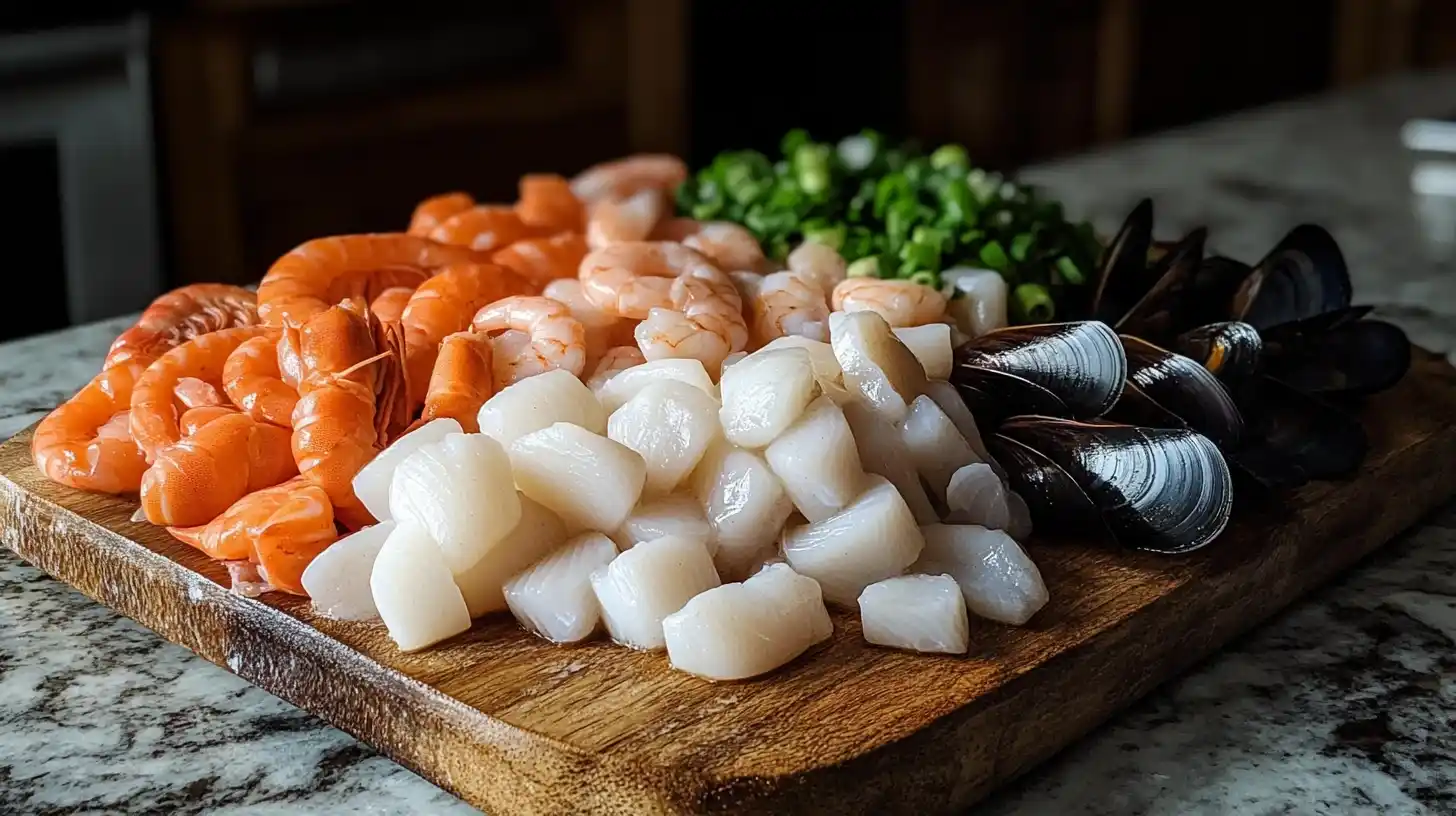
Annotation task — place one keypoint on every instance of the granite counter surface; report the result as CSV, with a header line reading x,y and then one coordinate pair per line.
x,y
1343,704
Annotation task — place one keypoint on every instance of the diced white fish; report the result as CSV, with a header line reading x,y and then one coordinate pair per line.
x,y
872,539
745,504
877,367
737,631
936,448
949,400
590,481
821,355
921,613
976,496
553,598
371,483
730,360
817,461
414,590
537,533
977,299
615,392
999,580
764,393
882,452
645,584
539,402
670,424
459,490
677,515
931,345
337,580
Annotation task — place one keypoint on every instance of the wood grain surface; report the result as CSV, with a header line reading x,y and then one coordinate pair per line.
x,y
514,725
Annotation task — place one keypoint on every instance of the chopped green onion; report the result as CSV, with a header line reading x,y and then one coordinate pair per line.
x,y
994,257
1020,245
864,268
832,237
1070,273
1034,302
950,156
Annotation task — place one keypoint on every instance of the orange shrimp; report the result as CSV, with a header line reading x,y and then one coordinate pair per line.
x,y
484,228
196,478
195,418
390,303
430,212
558,340
86,442
462,380
547,202
542,260
319,273
623,177
180,315
444,305
254,383
154,409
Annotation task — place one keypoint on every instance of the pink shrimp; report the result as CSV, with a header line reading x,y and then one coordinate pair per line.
x,y
731,247
603,331
901,303
623,177
630,279
179,316
632,218
463,379
435,209
255,384
547,202
542,260
319,273
705,323
819,264
86,442
390,304
789,303
613,362
196,478
557,339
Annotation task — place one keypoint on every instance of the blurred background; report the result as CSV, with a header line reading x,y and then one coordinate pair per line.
x,y
157,144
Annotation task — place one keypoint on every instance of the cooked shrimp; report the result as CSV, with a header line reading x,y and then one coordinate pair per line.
x,y
630,279
747,284
335,432
789,303
254,383
819,264
196,478
558,340
728,245
484,228
319,273
705,323
614,361
155,414
547,202
390,303
444,305
194,418
430,212
623,177
603,330
615,220
179,316
192,392
541,260
290,363
462,381
86,442
900,302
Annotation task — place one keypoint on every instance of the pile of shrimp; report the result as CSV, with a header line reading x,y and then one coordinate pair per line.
x,y
239,419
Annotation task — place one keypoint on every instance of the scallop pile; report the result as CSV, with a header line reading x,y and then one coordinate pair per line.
x,y
713,520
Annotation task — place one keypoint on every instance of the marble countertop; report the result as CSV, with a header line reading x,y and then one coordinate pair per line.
x,y
1343,704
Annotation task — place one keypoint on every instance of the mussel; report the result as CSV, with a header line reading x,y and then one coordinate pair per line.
x,y
995,395
1123,276
1163,490
1302,276
1081,364
1229,350
1163,309
1058,506
1184,388
1337,353
1293,437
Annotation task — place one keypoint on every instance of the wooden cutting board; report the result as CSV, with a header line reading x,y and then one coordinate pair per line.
x,y
514,725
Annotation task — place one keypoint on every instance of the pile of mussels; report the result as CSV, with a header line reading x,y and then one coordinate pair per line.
x,y
1190,374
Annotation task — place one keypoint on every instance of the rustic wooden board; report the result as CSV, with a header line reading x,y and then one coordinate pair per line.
x,y
517,726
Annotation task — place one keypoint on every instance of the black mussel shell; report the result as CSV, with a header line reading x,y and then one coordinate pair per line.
x,y
1229,350
1081,363
994,395
1135,407
1163,490
1059,507
1217,281
1293,437
1303,276
1122,274
1165,310
1185,388
1335,354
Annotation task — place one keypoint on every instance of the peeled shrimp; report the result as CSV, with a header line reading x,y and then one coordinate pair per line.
x,y
789,304
705,323
390,304
194,418
558,340
86,442
819,264
623,177
900,302
463,379
254,383
603,331
540,260
435,209
444,305
196,478
181,315
483,228
614,361
632,218
728,245
547,202
154,411
631,279
319,273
